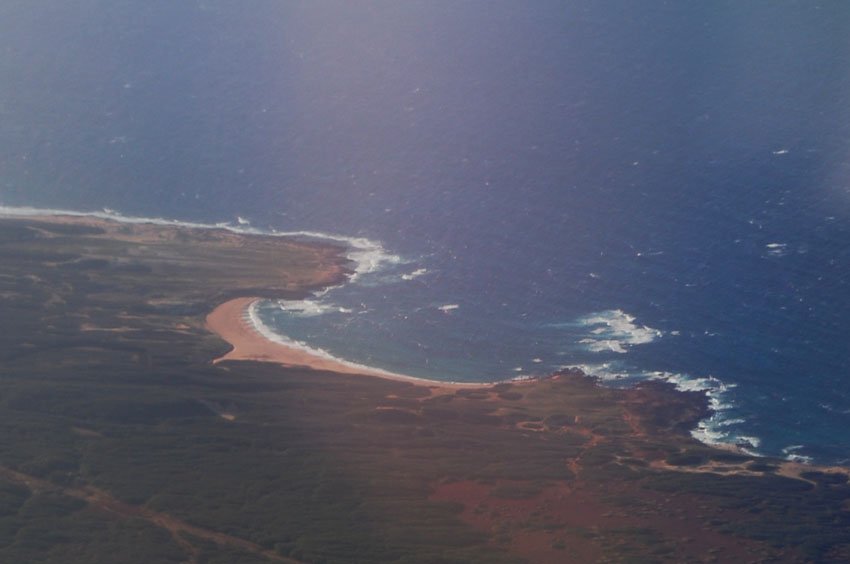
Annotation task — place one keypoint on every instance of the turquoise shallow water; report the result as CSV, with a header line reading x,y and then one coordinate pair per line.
x,y
645,190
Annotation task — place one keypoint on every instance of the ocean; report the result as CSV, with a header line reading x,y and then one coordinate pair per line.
x,y
644,190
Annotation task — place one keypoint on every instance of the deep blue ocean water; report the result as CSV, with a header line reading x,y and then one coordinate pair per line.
x,y
646,190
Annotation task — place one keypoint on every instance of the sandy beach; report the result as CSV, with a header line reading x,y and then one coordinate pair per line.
x,y
230,322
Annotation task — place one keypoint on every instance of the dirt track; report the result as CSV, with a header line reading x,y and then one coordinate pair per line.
x,y
104,501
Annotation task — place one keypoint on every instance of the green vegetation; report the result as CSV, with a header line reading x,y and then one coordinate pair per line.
x,y
49,527
121,442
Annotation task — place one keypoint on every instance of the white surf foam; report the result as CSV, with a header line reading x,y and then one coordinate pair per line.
x,y
310,307
833,409
253,317
105,213
777,249
615,330
602,345
791,454
367,255
611,330
415,274
605,372
720,428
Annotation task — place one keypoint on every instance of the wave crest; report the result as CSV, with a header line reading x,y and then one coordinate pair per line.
x,y
722,427
252,316
310,308
615,330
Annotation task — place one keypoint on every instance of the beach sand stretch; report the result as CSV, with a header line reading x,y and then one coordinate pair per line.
x,y
232,322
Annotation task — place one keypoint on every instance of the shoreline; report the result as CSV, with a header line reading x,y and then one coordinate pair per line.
x,y
252,343
544,459
231,322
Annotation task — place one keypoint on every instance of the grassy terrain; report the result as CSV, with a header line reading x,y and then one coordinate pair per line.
x,y
121,442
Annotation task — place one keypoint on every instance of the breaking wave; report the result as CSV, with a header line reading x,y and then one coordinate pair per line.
x,y
253,318
613,330
792,455
415,274
720,428
310,307
777,249
368,256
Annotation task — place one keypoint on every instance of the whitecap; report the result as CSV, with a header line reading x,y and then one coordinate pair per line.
x,y
415,274
605,371
615,331
747,441
604,345
791,454
833,409
717,429
730,422
777,249
309,307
